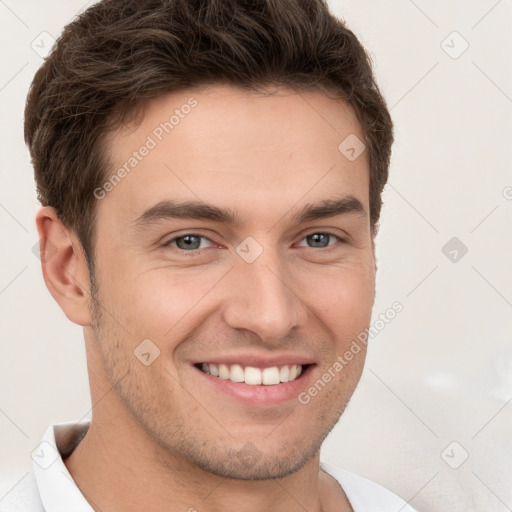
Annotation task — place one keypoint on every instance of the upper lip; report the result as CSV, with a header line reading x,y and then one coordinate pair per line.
x,y
257,360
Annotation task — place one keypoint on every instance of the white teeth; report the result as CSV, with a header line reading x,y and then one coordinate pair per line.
x,y
254,376
223,371
270,375
236,373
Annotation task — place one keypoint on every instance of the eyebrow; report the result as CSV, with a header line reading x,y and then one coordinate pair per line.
x,y
198,210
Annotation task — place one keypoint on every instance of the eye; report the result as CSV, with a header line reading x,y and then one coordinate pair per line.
x,y
191,242
188,242
320,240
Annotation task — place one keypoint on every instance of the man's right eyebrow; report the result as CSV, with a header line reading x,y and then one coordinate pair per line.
x,y
194,210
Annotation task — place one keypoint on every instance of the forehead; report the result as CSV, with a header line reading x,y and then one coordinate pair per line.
x,y
235,148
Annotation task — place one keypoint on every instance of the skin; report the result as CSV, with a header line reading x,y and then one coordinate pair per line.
x,y
162,437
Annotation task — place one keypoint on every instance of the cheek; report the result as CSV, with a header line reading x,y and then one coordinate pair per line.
x,y
161,303
344,298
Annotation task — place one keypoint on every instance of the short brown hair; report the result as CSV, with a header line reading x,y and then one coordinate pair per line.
x,y
119,54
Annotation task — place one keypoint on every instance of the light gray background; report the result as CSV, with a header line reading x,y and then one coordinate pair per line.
x,y
441,371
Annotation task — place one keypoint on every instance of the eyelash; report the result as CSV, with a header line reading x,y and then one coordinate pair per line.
x,y
194,252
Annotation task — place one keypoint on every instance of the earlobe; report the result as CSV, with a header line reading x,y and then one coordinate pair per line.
x,y
64,266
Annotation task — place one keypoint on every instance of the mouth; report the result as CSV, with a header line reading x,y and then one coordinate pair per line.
x,y
262,387
252,375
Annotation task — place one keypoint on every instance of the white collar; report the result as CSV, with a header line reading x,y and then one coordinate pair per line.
x,y
58,490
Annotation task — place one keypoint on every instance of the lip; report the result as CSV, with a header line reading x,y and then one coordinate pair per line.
x,y
257,361
259,396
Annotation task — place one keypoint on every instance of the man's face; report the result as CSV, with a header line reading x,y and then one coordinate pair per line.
x,y
268,290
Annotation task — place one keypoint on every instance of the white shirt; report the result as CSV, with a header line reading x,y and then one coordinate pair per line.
x,y
48,486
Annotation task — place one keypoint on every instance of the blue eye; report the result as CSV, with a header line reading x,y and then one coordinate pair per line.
x,y
189,242
320,240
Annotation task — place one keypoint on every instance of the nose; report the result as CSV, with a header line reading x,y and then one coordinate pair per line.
x,y
264,299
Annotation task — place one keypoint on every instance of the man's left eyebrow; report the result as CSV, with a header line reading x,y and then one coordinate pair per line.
x,y
330,208
198,210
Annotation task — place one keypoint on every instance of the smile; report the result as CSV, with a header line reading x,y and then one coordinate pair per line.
x,y
251,375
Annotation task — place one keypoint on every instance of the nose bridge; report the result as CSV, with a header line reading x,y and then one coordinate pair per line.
x,y
262,298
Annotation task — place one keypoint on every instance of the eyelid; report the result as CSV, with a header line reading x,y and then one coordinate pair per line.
x,y
336,232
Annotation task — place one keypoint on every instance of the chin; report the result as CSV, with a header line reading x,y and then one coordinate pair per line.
x,y
250,463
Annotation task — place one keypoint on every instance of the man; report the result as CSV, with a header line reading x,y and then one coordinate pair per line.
x,y
211,176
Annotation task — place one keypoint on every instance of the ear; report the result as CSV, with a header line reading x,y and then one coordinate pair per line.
x,y
64,266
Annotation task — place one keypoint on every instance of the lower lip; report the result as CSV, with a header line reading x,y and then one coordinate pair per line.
x,y
261,395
